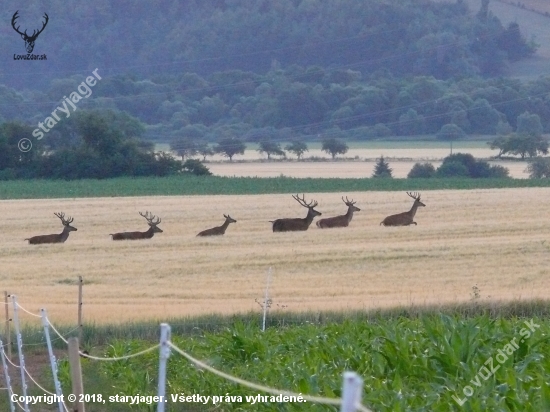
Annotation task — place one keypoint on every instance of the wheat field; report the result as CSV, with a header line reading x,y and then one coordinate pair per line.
x,y
497,240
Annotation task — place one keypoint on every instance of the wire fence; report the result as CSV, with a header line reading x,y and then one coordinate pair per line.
x,y
351,388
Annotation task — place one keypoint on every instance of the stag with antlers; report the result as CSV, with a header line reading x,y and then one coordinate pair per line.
x,y
342,220
405,218
141,235
55,238
218,230
297,224
29,40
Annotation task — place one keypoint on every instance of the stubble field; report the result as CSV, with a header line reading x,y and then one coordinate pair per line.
x,y
495,239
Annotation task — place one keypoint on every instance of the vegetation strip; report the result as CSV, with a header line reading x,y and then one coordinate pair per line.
x,y
213,185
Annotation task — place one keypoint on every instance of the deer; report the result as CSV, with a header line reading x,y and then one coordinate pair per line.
x,y
29,40
342,220
405,218
297,224
218,230
141,235
55,238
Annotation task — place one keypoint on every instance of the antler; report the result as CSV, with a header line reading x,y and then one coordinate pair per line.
x,y
415,195
149,217
348,202
34,33
65,222
15,16
302,201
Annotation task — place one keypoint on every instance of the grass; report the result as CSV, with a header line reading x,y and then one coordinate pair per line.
x,y
212,185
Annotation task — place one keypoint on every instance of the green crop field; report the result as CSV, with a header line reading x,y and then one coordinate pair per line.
x,y
215,185
430,362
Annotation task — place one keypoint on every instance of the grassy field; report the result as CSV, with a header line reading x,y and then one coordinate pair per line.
x,y
491,239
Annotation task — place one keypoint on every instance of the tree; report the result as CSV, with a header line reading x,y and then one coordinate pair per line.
x,y
422,170
334,146
539,168
183,147
229,147
450,132
529,124
271,148
466,165
382,168
297,147
204,149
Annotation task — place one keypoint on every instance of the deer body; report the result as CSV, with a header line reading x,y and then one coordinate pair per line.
x,y
297,224
148,234
342,220
55,238
218,230
405,218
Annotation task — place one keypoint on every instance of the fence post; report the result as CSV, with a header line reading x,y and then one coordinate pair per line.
x,y
20,351
164,353
6,374
8,320
351,392
266,298
53,362
80,309
76,374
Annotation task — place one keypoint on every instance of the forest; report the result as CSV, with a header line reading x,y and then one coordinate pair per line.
x,y
258,70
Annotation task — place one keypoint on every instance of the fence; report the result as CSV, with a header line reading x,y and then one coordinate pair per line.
x,y
351,387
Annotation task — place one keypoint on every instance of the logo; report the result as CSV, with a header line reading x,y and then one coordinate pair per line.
x,y
29,40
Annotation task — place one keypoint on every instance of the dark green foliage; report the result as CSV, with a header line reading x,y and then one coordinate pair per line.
x,y
271,148
450,132
382,168
196,167
422,171
522,144
539,168
297,147
465,165
229,147
334,147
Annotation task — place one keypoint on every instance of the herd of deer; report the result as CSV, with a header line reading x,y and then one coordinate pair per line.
x,y
279,225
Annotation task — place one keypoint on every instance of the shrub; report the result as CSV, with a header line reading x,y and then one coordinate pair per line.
x,y
452,169
196,167
539,168
422,170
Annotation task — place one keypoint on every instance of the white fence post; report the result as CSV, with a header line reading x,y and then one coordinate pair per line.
x,y
20,351
266,304
8,383
53,362
351,392
164,353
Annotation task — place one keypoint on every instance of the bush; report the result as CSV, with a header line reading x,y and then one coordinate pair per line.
x,y
452,169
422,170
539,168
196,167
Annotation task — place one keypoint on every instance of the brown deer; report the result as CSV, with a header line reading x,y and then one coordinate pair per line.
x,y
141,235
296,224
342,220
405,218
218,230
55,238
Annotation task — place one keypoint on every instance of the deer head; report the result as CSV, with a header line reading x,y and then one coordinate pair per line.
x,y
29,40
229,219
66,222
151,222
350,204
310,206
416,197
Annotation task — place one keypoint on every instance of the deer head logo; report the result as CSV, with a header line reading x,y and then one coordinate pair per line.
x,y
29,40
